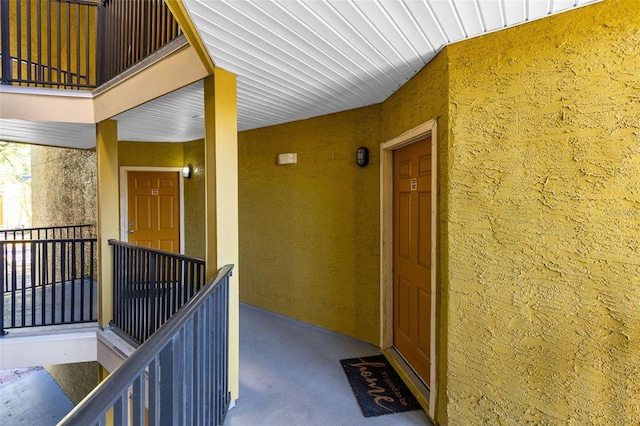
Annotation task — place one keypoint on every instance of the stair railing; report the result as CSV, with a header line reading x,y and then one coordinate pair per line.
x,y
149,286
47,276
181,370
79,44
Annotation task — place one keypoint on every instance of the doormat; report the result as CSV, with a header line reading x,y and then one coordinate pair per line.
x,y
377,387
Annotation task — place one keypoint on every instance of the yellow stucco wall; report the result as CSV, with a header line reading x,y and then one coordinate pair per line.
x,y
544,214
150,154
194,223
309,232
77,380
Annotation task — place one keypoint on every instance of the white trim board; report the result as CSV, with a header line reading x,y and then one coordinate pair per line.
x,y
386,242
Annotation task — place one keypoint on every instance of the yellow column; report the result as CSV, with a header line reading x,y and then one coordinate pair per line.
x,y
108,213
221,191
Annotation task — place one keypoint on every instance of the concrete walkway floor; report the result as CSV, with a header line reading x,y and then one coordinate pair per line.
x,y
30,397
290,375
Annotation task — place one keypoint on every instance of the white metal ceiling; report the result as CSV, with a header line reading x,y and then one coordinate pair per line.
x,y
303,58
73,135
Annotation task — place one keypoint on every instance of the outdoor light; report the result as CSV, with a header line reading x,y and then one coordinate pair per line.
x,y
186,171
362,156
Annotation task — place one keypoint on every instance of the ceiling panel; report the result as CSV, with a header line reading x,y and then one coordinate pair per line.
x,y
412,31
304,58
470,18
176,116
492,14
448,19
68,135
537,9
515,12
560,5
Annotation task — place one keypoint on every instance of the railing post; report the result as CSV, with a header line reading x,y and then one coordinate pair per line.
x,y
154,296
6,44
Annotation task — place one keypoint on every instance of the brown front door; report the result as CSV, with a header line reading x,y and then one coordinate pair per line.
x,y
412,255
153,217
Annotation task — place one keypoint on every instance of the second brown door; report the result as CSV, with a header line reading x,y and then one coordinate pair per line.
x,y
153,217
412,255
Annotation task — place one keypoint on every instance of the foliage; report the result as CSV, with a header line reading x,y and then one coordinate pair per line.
x,y
15,184
15,162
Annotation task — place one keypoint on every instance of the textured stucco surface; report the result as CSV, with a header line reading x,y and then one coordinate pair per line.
x,y
309,238
150,154
63,186
194,205
544,222
76,380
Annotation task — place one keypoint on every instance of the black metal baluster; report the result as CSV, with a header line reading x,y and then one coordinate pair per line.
x,y
13,284
18,40
92,315
23,289
6,42
29,43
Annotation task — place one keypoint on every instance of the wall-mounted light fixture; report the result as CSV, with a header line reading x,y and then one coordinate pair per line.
x,y
287,158
187,171
362,156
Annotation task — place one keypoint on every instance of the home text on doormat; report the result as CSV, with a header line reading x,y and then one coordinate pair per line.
x,y
377,387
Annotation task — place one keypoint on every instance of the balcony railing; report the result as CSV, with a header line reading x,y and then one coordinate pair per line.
x,y
79,44
149,286
47,277
177,377
49,233
129,31
49,43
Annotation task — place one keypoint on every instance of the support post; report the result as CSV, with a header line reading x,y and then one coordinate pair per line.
x,y
108,216
221,192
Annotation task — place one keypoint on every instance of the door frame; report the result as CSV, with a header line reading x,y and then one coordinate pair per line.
x,y
428,128
124,197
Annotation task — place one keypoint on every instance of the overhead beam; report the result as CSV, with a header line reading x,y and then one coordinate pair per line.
x,y
37,104
189,29
173,72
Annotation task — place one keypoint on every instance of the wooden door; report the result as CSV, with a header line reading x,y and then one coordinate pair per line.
x,y
153,216
412,255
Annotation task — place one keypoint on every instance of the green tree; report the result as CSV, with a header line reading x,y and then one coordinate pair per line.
x,y
15,183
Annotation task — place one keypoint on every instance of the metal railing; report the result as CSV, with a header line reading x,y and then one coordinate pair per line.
x,y
47,282
79,44
130,31
182,370
49,233
149,286
49,43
